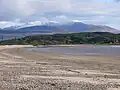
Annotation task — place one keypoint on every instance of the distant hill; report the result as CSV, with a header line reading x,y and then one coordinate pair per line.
x,y
32,29
77,27
9,33
52,28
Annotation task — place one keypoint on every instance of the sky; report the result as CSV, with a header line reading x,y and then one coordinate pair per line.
x,y
98,12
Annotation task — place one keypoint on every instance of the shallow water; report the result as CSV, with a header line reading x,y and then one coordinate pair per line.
x,y
81,50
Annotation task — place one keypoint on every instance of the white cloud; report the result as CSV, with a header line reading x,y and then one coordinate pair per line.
x,y
36,23
60,18
76,20
89,11
4,24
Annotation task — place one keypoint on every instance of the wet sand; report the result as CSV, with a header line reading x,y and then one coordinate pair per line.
x,y
22,70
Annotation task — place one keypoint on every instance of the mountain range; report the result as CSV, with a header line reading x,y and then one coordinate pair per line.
x,y
52,28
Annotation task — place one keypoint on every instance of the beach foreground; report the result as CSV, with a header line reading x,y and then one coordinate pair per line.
x,y
22,70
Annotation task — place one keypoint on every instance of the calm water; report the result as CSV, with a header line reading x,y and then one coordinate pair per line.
x,y
81,50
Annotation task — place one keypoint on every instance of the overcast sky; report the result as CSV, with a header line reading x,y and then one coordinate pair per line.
x,y
102,12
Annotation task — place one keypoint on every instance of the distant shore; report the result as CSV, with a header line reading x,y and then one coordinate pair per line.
x,y
73,45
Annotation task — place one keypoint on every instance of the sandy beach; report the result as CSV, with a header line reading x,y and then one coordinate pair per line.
x,y
23,70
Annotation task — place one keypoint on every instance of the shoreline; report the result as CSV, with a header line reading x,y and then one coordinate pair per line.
x,y
72,45
45,71
67,45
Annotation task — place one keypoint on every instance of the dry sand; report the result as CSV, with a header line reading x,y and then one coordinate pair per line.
x,y
22,70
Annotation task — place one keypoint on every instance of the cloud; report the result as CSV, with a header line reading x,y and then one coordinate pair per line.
x,y
4,24
117,0
88,11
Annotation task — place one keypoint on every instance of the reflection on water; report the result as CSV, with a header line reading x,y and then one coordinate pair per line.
x,y
81,50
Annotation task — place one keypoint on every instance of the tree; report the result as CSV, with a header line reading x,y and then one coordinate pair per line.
x,y
35,43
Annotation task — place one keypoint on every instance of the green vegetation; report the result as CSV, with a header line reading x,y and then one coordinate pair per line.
x,y
71,38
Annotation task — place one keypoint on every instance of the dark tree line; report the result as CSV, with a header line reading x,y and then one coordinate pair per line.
x,y
72,38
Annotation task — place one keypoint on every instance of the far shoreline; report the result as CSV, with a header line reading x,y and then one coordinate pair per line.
x,y
74,45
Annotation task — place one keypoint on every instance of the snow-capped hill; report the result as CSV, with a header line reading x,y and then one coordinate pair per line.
x,y
52,26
